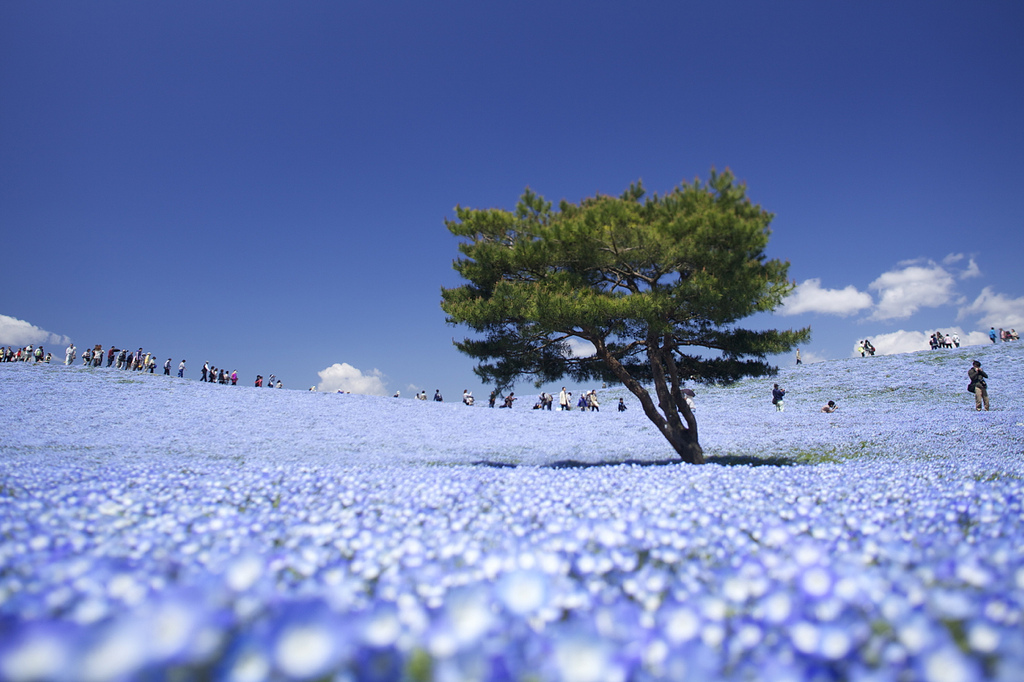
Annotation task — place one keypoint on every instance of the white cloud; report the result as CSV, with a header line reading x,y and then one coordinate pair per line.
x,y
972,270
580,348
345,377
809,357
896,342
809,297
902,292
972,266
15,332
909,341
996,310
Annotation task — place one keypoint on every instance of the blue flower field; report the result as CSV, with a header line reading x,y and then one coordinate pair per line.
x,y
156,528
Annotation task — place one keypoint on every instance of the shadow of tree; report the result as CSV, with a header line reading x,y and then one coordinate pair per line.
x,y
721,460
751,461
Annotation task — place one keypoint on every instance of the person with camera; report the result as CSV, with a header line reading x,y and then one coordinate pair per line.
x,y
978,385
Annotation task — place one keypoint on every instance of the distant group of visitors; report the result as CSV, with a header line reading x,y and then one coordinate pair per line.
x,y
586,401
269,384
24,354
422,395
124,359
940,340
214,375
865,348
1003,335
120,358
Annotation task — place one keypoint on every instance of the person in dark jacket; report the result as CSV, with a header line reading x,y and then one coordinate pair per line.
x,y
777,395
980,388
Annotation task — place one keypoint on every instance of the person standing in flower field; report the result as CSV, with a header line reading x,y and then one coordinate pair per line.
x,y
978,385
777,395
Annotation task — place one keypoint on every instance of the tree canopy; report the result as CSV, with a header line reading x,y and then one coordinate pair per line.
x,y
655,283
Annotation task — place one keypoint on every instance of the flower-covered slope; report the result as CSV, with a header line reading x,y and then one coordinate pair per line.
x,y
887,404
157,528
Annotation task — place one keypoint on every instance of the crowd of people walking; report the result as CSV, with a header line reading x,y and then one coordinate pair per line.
x,y
24,354
128,360
1003,335
940,340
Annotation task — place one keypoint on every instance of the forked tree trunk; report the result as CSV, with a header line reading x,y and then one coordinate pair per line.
x,y
681,436
684,442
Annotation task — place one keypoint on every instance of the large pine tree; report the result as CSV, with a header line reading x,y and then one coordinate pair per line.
x,y
655,284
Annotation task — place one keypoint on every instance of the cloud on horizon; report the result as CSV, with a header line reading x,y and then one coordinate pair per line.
x,y
345,377
995,310
809,297
15,332
912,285
903,341
904,291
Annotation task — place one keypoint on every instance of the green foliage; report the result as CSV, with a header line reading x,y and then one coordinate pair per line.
x,y
656,284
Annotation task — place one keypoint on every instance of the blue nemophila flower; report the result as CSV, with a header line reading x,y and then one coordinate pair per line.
x,y
523,592
38,651
469,613
579,657
307,647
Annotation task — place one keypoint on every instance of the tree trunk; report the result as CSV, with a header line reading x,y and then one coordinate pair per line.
x,y
682,439
684,442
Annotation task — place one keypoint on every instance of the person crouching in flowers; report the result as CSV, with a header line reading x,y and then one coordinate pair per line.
x,y
830,407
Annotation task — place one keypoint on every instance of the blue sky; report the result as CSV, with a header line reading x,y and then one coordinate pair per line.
x,y
263,185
